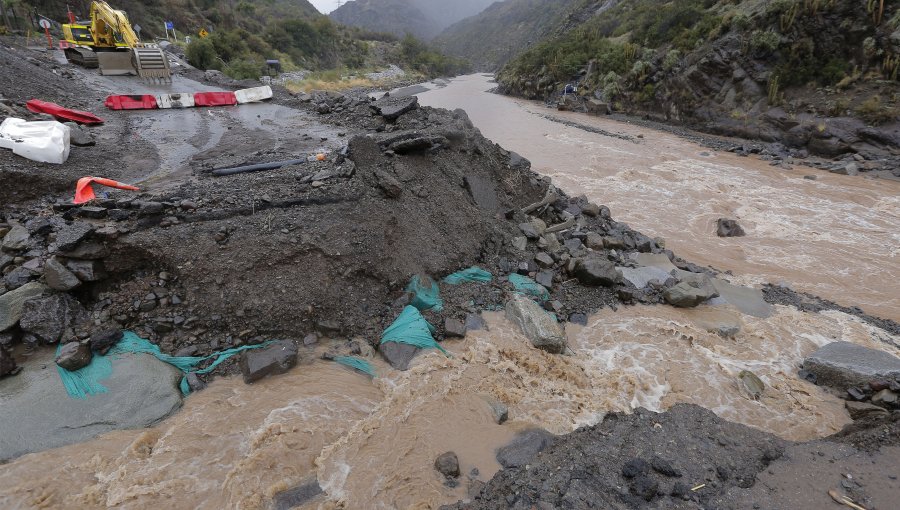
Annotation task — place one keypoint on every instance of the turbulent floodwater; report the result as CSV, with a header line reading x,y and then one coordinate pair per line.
x,y
372,443
837,236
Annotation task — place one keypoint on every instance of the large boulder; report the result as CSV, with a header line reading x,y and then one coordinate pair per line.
x,y
12,303
59,277
596,271
38,414
399,355
538,325
524,447
70,236
275,359
392,108
48,318
16,239
729,228
688,295
841,365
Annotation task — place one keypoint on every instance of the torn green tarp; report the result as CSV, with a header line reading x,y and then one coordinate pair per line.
x,y
426,294
473,274
528,286
412,329
86,381
357,363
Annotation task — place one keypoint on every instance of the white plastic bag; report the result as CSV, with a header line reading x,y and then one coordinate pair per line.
x,y
43,141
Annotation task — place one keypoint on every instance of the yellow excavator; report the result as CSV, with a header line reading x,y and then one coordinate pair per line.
x,y
108,41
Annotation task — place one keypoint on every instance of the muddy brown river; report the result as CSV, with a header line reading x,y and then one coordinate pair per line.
x,y
371,443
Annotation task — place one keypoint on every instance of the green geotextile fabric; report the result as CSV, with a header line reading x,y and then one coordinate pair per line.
x,y
357,364
412,329
86,381
472,274
528,286
426,294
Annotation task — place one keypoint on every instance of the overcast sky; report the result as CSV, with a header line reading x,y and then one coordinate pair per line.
x,y
325,6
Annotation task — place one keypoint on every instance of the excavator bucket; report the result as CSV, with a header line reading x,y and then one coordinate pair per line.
x,y
115,63
150,64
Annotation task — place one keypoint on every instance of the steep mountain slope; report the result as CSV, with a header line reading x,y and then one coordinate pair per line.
x,y
813,74
494,36
422,18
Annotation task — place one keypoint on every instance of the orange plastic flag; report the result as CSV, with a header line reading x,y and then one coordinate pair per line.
x,y
84,192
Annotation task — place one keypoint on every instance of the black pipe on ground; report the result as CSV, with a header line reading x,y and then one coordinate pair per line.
x,y
219,172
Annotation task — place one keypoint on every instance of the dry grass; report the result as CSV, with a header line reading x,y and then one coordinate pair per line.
x,y
310,84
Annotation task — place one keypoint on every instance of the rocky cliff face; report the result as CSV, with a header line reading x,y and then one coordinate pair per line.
x,y
421,18
819,76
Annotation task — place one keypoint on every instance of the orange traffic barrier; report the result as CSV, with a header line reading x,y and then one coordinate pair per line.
x,y
85,193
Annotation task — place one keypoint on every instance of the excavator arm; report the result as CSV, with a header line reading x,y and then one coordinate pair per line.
x,y
111,27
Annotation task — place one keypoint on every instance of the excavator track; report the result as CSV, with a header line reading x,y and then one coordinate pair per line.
x,y
84,57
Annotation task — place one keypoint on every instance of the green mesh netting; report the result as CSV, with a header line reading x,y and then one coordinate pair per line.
x,y
426,294
473,274
357,364
412,329
86,381
528,286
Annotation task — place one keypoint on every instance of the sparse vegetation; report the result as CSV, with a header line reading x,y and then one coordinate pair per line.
x,y
875,112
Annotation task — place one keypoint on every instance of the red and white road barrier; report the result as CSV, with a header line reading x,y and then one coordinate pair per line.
x,y
189,100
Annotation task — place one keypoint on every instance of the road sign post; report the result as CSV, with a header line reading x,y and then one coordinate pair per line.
x,y
46,26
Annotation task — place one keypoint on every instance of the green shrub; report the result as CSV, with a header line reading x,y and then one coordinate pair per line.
x,y
763,43
201,54
671,60
875,112
244,69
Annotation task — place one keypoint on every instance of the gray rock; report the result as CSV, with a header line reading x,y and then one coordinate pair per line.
x,y
297,496
12,303
524,447
848,169
397,354
38,414
640,277
840,365
103,341
596,271
573,245
7,363
686,295
474,322
275,359
91,212
543,259
728,228
79,135
16,239
59,277
529,230
393,107
5,260
69,237
591,209
498,408
454,328
18,277
74,356
545,278
86,251
87,270
388,184
859,410
483,192
447,464
885,397
48,318
537,325
520,243
613,243
594,241
194,382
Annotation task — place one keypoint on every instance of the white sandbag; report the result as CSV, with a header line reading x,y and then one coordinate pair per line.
x,y
45,141
253,95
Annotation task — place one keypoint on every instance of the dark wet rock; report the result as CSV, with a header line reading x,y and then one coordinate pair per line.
x,y
19,276
664,467
87,251
728,228
536,324
573,245
483,192
578,318
195,383
277,358
594,241
545,278
69,237
16,239
74,356
840,365
498,408
591,210
474,322
397,354
48,318
103,341
524,447
393,107
417,144
644,487
91,212
454,328
79,135
543,259
861,410
7,363
530,231
635,467
12,303
596,271
447,464
297,496
87,270
59,277
388,183
856,394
